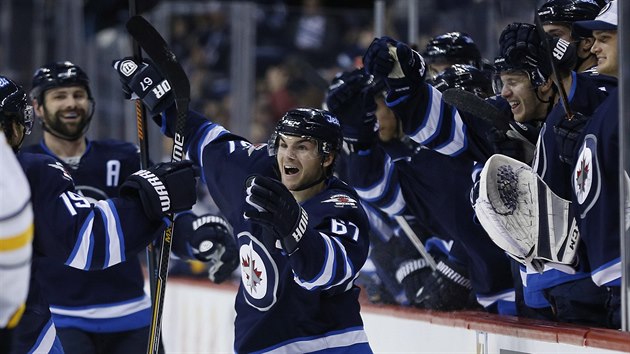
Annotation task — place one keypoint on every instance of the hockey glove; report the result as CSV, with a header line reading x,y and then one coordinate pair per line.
x,y
276,210
164,188
568,133
519,42
447,288
412,275
514,142
144,82
350,97
404,70
210,240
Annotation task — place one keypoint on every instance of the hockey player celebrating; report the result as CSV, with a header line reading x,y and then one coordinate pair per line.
x,y
87,309
403,179
301,232
84,235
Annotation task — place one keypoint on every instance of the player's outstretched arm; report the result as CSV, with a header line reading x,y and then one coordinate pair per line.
x,y
87,235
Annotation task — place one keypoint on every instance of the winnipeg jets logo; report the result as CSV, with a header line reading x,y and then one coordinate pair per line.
x,y
341,200
259,272
60,167
252,275
586,178
582,175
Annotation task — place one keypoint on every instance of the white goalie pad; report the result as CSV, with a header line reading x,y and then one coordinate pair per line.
x,y
524,217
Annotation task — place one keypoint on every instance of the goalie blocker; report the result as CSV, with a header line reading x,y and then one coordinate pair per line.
x,y
524,217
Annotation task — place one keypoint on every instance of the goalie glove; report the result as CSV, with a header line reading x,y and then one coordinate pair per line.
x,y
524,217
276,210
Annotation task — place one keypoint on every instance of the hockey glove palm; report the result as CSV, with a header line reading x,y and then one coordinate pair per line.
x,y
402,67
209,240
350,97
144,82
276,210
164,188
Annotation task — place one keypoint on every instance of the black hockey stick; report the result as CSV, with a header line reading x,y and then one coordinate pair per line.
x,y
166,62
470,103
143,143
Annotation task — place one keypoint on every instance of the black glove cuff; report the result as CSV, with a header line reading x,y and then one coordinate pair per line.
x,y
290,243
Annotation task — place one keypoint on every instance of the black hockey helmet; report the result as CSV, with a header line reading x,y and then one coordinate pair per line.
x,y
454,48
58,74
316,124
14,105
465,77
568,11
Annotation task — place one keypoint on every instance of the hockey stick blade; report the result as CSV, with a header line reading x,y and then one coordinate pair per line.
x,y
156,48
470,103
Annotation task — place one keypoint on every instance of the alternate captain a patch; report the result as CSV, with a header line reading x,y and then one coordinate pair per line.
x,y
586,175
341,201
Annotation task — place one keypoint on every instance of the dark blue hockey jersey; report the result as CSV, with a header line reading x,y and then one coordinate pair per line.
x,y
435,189
596,192
300,303
584,96
75,232
108,300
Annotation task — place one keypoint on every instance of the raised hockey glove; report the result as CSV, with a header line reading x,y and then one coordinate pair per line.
x,y
568,133
167,187
210,240
403,71
276,210
519,42
143,81
350,97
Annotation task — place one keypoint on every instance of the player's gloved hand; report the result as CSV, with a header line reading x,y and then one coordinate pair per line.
x,y
143,81
447,288
412,275
515,142
209,240
350,98
276,210
167,187
567,134
520,41
402,67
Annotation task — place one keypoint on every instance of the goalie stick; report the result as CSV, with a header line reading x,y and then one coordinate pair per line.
x,y
143,143
156,48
